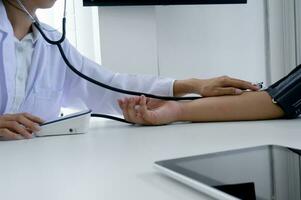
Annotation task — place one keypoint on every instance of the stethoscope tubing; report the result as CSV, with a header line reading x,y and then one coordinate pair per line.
x,y
89,79
98,83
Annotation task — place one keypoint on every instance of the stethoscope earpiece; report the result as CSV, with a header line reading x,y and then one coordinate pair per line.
x,y
33,19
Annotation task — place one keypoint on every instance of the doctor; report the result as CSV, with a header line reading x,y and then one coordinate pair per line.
x,y
35,82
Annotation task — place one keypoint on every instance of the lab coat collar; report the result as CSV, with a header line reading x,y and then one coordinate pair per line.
x,y
32,37
35,34
5,25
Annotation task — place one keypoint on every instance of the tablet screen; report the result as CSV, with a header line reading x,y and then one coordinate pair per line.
x,y
264,173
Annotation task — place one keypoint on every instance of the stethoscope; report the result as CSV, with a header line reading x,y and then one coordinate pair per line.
x,y
58,43
89,79
61,40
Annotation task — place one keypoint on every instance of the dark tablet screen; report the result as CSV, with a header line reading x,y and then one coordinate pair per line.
x,y
263,173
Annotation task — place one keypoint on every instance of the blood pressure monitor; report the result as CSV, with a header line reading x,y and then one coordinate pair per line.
x,y
76,123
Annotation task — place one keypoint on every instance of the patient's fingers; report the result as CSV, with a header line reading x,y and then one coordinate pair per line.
x,y
146,115
133,102
120,103
135,110
129,109
124,105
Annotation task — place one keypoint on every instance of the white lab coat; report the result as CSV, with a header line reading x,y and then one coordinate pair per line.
x,y
51,85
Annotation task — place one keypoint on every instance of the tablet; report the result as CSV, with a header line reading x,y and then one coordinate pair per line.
x,y
268,172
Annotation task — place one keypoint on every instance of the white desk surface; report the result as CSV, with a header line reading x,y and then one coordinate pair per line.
x,y
114,161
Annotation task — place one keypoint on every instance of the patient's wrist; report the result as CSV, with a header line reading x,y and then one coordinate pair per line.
x,y
182,112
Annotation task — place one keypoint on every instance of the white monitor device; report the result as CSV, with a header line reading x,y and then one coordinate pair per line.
x,y
268,172
76,123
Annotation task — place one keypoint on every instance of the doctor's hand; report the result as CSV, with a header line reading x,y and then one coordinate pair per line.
x,y
146,111
18,126
219,86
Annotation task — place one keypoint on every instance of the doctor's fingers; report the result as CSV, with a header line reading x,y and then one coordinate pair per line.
x,y
15,117
16,128
6,134
227,91
34,118
26,115
30,122
237,83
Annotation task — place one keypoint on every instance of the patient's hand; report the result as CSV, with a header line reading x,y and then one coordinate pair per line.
x,y
146,111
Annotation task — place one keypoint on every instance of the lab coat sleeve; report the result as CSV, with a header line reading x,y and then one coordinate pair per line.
x,y
79,93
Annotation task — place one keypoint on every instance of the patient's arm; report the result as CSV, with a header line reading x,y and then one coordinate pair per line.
x,y
248,106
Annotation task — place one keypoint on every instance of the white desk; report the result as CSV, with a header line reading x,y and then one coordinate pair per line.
x,y
114,161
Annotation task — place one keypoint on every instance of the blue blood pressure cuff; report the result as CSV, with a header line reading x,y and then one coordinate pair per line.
x,y
287,93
